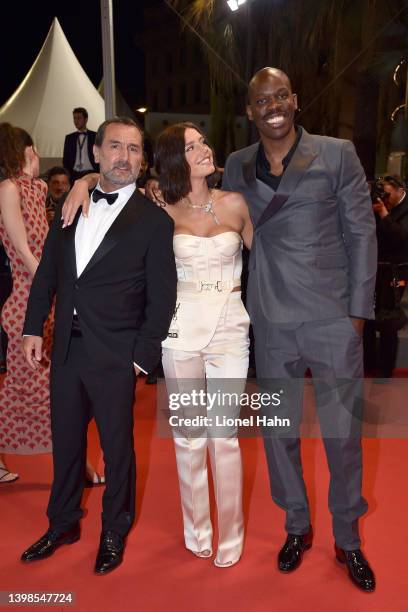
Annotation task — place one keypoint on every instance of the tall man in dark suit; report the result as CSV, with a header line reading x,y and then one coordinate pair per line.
x,y
114,278
311,283
78,157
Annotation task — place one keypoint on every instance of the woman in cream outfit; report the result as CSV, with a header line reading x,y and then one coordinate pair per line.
x,y
207,346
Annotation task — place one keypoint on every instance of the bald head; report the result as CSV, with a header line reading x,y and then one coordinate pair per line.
x,y
265,74
272,105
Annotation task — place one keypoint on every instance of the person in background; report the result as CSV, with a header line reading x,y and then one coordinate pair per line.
x,y
391,212
58,185
78,157
6,284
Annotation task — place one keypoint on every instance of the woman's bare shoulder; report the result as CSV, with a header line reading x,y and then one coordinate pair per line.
x,y
231,199
8,188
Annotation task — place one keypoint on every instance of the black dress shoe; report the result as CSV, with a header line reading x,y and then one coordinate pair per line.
x,y
49,542
110,553
358,568
291,554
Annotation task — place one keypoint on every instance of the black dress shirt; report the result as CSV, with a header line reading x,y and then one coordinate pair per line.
x,y
263,169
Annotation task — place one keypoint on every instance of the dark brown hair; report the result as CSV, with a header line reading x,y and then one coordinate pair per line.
x,y
394,180
82,111
13,142
171,163
56,170
100,134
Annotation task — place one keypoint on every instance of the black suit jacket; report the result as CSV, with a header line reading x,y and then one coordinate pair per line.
x,y
392,234
124,298
69,155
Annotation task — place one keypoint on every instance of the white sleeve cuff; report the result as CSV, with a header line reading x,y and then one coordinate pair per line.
x,y
141,369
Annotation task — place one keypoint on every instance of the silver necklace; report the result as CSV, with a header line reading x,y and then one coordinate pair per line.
x,y
207,208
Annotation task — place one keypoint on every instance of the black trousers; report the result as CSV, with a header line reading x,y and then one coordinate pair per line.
x,y
382,354
79,392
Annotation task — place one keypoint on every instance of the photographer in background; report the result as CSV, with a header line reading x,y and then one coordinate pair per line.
x,y
390,204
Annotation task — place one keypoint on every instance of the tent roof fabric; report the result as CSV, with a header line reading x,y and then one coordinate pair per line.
x,y
55,84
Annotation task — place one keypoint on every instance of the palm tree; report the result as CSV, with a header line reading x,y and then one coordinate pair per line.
x,y
209,20
319,43
302,38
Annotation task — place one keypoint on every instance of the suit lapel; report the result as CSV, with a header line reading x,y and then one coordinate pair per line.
x,y
69,235
126,218
260,189
303,156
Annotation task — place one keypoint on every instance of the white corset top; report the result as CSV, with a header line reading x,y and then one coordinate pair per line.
x,y
198,313
215,258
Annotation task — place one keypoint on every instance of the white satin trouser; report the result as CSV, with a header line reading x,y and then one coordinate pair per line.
x,y
213,368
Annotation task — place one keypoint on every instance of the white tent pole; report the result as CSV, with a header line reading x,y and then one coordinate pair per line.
x,y
108,58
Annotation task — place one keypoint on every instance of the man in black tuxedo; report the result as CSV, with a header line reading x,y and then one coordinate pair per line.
x,y
114,278
78,157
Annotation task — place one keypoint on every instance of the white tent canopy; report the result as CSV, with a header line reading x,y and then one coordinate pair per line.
x,y
55,84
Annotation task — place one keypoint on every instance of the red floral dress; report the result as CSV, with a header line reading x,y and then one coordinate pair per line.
x,y
24,397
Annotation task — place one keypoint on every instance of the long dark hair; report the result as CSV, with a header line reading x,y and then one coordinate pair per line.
x,y
172,166
13,142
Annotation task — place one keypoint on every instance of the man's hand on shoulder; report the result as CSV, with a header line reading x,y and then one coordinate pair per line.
x,y
153,192
380,208
79,197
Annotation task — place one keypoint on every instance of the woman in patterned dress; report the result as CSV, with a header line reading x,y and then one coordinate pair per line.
x,y
25,426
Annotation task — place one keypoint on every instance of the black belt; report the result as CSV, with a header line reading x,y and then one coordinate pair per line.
x,y
76,328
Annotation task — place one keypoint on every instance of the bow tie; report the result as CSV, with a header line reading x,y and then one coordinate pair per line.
x,y
109,197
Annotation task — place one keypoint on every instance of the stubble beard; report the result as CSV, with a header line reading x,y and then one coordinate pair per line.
x,y
114,179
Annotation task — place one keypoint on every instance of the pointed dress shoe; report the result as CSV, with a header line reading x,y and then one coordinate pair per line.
x,y
49,542
358,568
291,554
110,553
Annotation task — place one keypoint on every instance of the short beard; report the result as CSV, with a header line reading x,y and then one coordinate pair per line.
x,y
120,182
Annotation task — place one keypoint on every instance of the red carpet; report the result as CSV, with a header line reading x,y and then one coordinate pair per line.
x,y
159,574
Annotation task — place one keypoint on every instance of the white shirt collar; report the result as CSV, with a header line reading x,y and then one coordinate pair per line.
x,y
405,193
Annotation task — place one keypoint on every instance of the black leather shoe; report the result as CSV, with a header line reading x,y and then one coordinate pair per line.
x,y
110,553
49,542
358,568
291,554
